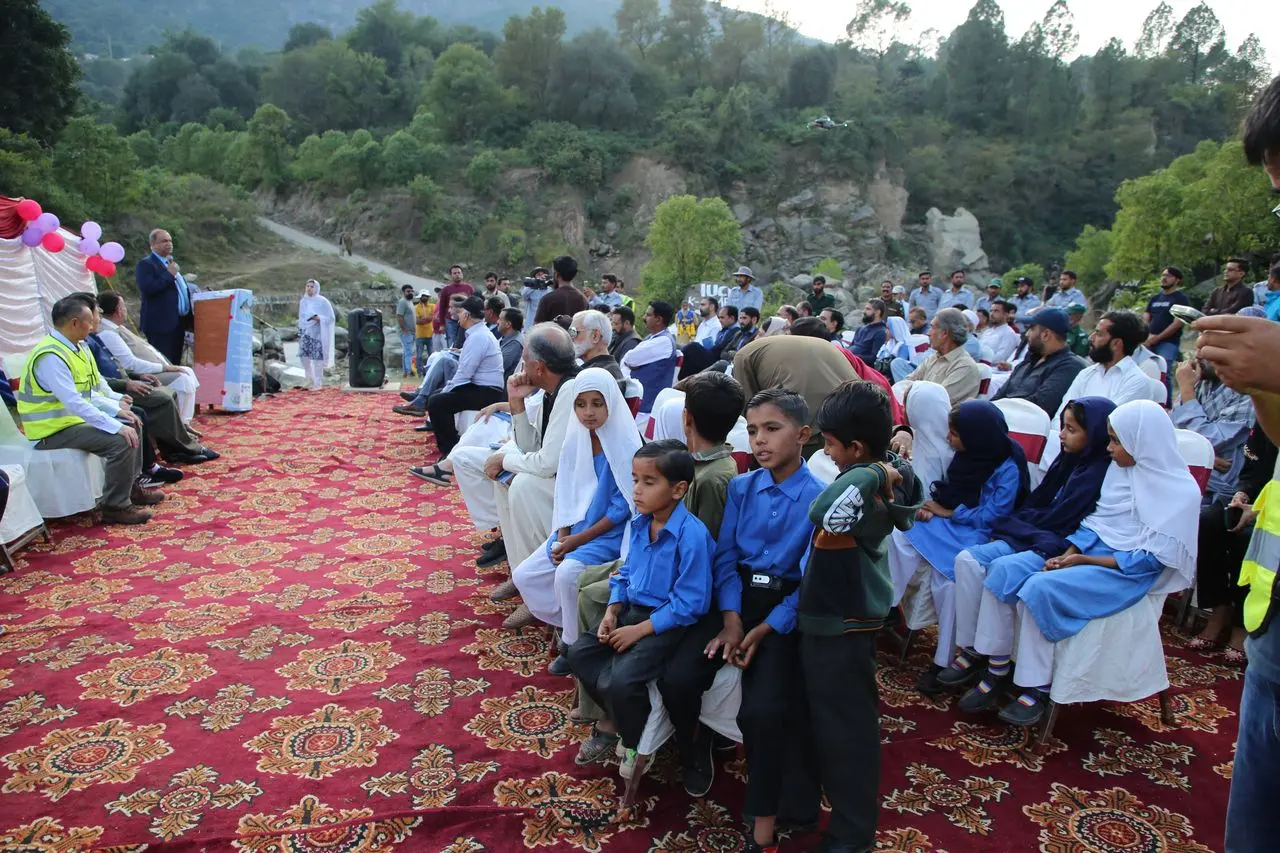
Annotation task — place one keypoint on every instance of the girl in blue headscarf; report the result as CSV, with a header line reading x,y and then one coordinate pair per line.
x,y
986,481
1068,493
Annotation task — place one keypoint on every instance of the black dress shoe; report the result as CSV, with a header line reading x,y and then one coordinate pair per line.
x,y
928,683
1019,713
408,396
424,428
491,558
954,676
699,769
493,545
186,458
210,454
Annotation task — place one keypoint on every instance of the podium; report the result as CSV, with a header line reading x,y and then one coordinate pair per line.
x,y
223,353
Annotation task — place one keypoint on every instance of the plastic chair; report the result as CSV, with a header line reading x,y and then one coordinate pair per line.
x,y
1198,453
634,395
984,381
21,523
920,348
1028,425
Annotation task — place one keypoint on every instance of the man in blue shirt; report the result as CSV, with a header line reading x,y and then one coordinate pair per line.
x,y
870,336
763,537
1024,299
990,298
478,381
746,294
958,296
1067,293
662,588
925,297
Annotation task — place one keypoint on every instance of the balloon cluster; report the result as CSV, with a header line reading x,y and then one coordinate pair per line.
x,y
42,230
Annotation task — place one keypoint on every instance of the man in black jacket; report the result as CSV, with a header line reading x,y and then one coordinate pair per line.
x,y
1049,367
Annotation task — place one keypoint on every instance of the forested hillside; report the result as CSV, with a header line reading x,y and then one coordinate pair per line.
x,y
463,139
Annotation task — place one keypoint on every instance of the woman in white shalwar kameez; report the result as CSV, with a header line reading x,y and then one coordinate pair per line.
x,y
315,334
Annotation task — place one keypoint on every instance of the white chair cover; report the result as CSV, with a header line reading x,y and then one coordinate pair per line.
x,y
1197,451
1086,667
20,514
1029,426
719,711
823,468
1150,367
61,482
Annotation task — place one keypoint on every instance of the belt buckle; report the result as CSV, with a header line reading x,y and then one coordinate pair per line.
x,y
761,580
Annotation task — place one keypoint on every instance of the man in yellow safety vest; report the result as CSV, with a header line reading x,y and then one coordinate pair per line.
x,y
1244,350
59,407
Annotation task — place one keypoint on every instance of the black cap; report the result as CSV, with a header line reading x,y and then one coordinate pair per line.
x,y
1022,279
474,305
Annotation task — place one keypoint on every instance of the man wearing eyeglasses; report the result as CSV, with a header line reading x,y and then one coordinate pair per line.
x,y
591,334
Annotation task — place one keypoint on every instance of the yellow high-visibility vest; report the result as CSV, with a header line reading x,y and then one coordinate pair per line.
x,y
41,411
1258,571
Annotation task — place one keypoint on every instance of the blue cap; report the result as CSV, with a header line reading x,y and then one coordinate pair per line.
x,y
1053,319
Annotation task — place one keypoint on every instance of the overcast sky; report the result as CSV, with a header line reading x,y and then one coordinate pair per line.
x,y
1096,20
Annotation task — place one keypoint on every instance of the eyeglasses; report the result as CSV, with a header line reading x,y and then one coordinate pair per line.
x,y
574,331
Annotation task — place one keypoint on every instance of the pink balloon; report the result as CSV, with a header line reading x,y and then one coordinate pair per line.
x,y
88,246
112,252
91,231
28,210
53,242
31,237
108,269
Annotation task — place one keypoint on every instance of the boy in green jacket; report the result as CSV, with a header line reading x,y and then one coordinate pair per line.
x,y
845,595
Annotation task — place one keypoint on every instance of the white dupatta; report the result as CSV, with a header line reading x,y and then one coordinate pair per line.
x,y
1153,505
318,306
619,440
929,415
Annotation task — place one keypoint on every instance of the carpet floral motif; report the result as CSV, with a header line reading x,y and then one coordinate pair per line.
x,y
712,829
370,573
70,595
117,560
185,623
524,653
431,629
1121,755
903,840
47,835
228,708
261,642
293,596
1109,821
533,720
338,668
982,745
963,801
67,760
324,742
432,779
313,827
227,584
29,710
1198,711
126,681
75,652
565,809
432,691
354,614
180,807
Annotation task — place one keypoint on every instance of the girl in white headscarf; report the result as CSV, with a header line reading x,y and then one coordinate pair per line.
x,y
929,415
315,334
895,342
593,501
1140,538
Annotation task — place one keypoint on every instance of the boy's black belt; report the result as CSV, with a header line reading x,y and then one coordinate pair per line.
x,y
752,579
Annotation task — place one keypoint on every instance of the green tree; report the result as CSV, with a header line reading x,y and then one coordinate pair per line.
x,y
875,24
1199,42
529,51
1090,257
811,77
1035,272
1111,79
306,34
592,84
483,172
1157,29
266,153
39,90
464,94
682,49
977,74
315,156
385,31
101,166
736,56
691,240
329,86
403,157
639,22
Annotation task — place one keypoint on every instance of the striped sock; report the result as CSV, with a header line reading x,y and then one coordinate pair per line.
x,y
997,668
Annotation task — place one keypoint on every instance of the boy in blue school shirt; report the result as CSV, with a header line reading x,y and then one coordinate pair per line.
x,y
756,575
662,588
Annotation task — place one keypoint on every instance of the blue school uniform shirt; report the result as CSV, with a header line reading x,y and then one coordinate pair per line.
x,y
939,540
766,528
609,501
672,574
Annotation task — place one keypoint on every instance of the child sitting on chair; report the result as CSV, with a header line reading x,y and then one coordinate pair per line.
x,y
592,504
662,587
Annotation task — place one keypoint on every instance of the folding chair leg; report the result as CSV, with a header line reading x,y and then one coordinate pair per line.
x,y
627,808
6,560
907,640
1166,710
1050,721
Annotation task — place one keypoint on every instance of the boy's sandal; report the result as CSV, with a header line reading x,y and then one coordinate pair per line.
x,y
1234,656
597,748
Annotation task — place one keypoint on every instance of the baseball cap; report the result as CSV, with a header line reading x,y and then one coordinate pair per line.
x,y
1076,308
1053,319
996,283
1022,279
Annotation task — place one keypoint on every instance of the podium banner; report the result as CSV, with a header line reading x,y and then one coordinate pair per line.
x,y
223,351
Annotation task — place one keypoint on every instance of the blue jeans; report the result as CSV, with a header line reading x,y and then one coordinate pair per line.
x,y
1253,822
1168,350
421,349
435,377
406,343
901,369
453,333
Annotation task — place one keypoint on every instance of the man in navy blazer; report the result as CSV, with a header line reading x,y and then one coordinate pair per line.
x,y
166,298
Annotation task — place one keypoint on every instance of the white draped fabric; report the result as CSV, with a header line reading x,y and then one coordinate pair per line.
x,y
31,280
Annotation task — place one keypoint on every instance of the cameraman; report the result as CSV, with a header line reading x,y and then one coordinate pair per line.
x,y
565,299
535,287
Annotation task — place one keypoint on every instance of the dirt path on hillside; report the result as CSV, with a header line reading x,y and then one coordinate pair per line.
x,y
301,238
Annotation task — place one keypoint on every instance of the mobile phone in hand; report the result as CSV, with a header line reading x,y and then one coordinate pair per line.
x,y
1185,313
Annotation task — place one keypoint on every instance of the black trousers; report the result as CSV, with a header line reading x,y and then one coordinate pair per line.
x,y
697,358
1218,567
840,686
772,717
619,683
444,405
169,344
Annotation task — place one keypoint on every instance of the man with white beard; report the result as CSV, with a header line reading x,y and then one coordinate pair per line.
x,y
591,332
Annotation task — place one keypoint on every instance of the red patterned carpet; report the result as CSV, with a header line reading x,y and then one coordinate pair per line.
x,y
299,655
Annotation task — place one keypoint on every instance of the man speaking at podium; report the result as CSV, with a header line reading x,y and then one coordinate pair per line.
x,y
166,298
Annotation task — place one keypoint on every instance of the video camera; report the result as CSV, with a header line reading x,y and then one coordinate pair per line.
x,y
538,279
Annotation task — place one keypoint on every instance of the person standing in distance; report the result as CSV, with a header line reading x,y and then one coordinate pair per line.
x,y
166,298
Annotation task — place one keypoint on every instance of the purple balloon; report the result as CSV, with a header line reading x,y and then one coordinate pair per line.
x,y
48,222
113,252
32,237
89,247
91,231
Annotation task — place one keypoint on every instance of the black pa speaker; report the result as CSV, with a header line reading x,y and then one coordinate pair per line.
x,y
364,349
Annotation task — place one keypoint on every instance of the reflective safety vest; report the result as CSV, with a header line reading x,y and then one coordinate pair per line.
x,y
1258,571
628,301
41,411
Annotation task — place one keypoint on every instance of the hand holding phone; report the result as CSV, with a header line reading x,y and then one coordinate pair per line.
x,y
1185,313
